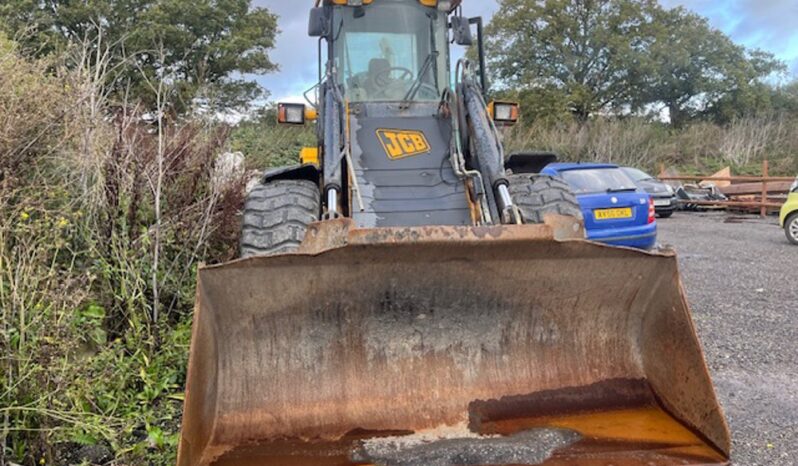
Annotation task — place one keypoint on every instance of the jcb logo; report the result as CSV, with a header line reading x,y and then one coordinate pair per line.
x,y
399,144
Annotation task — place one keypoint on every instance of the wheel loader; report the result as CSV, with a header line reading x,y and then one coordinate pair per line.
x,y
408,294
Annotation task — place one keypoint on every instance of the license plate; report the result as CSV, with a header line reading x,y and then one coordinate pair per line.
x,y
610,214
662,203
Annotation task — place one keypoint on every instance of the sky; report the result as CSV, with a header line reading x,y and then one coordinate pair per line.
x,y
771,25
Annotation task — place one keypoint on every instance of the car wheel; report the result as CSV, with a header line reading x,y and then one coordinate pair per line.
x,y
791,228
665,214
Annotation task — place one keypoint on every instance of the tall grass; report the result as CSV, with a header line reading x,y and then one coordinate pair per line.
x,y
698,147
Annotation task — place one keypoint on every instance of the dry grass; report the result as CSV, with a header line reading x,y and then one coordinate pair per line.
x,y
640,143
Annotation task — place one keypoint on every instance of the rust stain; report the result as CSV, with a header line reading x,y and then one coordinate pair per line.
x,y
633,436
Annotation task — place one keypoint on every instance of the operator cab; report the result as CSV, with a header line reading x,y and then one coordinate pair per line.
x,y
391,50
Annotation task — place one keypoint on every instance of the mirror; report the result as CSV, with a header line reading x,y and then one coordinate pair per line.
x,y
317,26
461,28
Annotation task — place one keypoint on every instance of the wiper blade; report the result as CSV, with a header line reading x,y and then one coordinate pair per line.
x,y
621,190
414,88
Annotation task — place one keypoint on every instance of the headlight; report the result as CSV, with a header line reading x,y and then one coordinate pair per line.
x,y
794,187
670,189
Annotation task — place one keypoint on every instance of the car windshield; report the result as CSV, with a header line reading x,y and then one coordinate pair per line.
x,y
391,51
637,175
598,180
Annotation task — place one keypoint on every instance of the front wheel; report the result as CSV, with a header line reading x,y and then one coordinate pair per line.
x,y
277,215
791,228
665,214
539,195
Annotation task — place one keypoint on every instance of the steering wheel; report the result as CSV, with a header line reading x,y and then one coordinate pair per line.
x,y
382,78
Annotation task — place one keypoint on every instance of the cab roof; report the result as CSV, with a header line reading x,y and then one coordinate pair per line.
x,y
454,3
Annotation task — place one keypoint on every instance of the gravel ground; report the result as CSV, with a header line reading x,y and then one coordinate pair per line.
x,y
741,276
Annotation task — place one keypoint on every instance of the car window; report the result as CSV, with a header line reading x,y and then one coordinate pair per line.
x,y
598,180
636,175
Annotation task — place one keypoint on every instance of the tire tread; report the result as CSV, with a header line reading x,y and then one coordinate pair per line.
x,y
277,215
538,195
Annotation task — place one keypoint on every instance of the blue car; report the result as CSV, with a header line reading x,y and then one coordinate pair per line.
x,y
616,211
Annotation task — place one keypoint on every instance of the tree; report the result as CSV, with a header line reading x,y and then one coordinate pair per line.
x,y
209,44
696,69
784,98
588,50
625,56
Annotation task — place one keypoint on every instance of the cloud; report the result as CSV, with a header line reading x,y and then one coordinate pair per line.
x,y
295,52
763,24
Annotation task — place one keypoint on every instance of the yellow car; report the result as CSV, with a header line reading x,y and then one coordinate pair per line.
x,y
789,214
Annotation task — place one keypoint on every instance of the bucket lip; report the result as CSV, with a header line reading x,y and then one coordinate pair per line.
x,y
329,235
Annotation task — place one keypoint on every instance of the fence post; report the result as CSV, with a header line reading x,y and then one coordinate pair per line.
x,y
763,212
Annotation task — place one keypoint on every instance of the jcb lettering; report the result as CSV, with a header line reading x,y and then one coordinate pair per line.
x,y
392,145
399,144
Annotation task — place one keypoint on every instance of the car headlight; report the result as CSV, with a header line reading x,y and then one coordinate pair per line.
x,y
670,189
794,187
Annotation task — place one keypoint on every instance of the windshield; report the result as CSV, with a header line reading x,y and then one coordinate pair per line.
x,y
637,175
393,50
598,180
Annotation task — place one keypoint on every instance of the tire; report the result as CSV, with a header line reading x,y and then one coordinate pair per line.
x,y
277,215
538,195
666,214
791,228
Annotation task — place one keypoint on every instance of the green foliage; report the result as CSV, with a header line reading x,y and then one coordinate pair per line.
x,y
267,144
543,105
785,98
694,68
203,45
585,50
591,57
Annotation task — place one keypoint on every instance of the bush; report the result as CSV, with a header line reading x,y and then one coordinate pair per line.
x,y
33,106
267,144
89,250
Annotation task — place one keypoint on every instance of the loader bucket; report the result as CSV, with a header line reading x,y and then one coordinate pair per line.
x,y
444,345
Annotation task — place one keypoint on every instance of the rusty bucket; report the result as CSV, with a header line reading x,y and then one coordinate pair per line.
x,y
441,346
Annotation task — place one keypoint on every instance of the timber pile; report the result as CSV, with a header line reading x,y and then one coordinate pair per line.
x,y
743,193
751,192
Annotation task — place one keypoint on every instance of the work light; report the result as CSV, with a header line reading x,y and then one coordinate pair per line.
x,y
505,113
291,114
